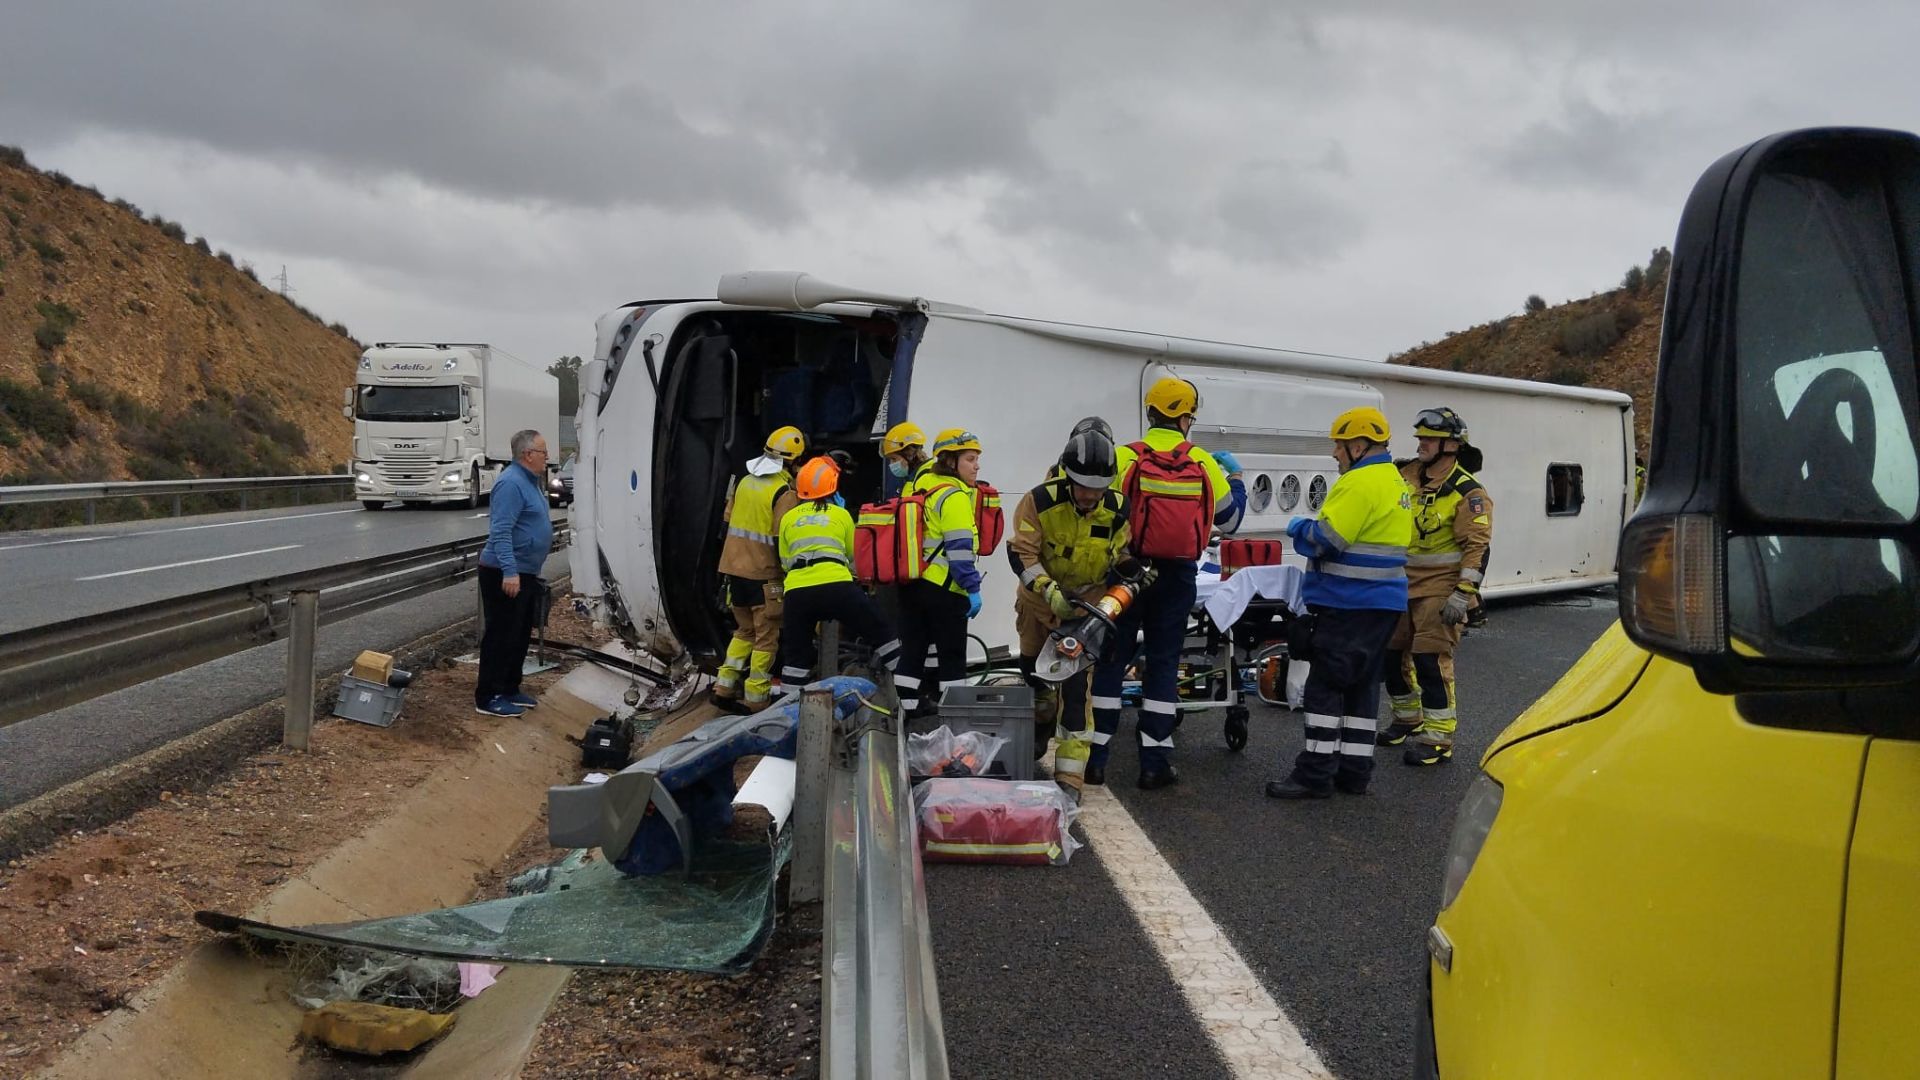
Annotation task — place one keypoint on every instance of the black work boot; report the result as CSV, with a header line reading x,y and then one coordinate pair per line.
x,y
1294,789
1154,781
1096,775
1420,752
1395,734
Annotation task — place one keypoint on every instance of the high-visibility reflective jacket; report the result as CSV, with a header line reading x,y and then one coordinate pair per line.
x,y
1229,498
953,532
1052,538
1452,528
1358,545
756,503
816,545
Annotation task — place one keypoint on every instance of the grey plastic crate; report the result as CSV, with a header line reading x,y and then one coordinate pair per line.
x,y
368,702
1006,711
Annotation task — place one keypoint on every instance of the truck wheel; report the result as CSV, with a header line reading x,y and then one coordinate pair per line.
x,y
473,485
1237,727
373,504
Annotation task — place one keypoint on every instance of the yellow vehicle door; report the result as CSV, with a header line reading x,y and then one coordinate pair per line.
x,y
1880,957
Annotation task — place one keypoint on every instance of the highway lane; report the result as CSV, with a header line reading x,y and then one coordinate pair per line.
x,y
1326,902
44,752
64,573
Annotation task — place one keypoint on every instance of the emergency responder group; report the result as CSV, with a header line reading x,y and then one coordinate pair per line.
x,y
1395,561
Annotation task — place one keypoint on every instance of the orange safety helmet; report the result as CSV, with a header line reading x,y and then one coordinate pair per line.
x,y
818,479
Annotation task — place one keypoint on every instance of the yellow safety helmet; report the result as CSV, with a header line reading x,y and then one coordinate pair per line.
x,y
818,479
786,443
956,439
900,436
1173,397
1365,422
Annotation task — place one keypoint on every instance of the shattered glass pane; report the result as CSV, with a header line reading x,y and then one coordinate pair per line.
x,y
717,920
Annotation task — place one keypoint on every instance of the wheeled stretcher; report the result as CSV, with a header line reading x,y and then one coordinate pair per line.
x,y
1239,624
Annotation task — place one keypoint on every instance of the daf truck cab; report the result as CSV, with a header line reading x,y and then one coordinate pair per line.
x,y
434,422
1698,855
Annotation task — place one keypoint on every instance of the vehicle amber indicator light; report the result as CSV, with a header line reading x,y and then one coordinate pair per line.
x,y
1672,581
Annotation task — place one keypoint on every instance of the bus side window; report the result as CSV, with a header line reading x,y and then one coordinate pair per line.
x,y
1565,490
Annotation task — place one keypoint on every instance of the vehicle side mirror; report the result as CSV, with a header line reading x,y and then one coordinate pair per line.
x,y
1776,545
346,411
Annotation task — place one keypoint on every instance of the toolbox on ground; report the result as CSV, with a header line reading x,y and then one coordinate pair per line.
x,y
376,703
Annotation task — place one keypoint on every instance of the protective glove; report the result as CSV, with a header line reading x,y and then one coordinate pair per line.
x,y
973,604
1455,612
1059,601
1228,463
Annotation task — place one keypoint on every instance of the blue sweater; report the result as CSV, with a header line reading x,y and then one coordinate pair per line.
x,y
519,529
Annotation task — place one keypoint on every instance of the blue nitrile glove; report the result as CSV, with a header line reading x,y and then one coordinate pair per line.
x,y
1228,463
973,604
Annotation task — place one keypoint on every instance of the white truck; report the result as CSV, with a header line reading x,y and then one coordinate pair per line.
x,y
433,422
681,393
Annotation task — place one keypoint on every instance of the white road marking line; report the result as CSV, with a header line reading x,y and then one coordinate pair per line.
x,y
1251,1031
190,562
180,529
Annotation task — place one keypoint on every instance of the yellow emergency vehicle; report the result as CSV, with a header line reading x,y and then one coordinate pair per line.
x,y
1698,855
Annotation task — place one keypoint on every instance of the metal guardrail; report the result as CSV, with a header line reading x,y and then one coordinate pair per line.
x,y
48,667
126,489
879,1003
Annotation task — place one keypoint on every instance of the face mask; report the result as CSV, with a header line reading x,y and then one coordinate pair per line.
x,y
897,468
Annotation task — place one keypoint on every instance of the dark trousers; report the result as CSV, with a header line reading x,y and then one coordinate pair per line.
x,y
509,629
930,615
836,601
1342,697
1159,617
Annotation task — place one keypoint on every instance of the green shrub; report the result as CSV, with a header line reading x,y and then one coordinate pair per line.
x,y
46,251
225,257
48,373
198,300
14,156
1536,302
200,245
1636,278
1568,375
127,206
137,305
9,437
76,239
90,395
38,410
1589,335
128,412
173,230
13,216
55,320
60,178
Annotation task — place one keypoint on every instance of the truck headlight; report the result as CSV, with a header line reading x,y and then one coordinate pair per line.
x,y
1470,827
451,478
363,478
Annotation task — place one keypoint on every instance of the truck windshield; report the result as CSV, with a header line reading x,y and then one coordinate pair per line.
x,y
416,403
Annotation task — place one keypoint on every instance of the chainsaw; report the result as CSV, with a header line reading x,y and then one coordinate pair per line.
x,y
1074,646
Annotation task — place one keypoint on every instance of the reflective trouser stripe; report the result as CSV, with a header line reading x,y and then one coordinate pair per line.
x,y
1434,558
734,668
888,655
908,687
1323,734
1148,740
1106,703
1100,738
1439,724
1357,735
795,674
1164,708
1406,707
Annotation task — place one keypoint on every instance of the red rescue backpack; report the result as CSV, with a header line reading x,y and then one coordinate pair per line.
x,y
889,541
1170,503
988,520
1240,554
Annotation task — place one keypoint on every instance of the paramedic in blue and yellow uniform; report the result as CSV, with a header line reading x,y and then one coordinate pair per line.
x,y
816,553
1355,591
934,609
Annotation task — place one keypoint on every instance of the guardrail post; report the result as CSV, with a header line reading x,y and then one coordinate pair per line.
x,y
244,500
304,611
176,506
829,649
89,511
810,760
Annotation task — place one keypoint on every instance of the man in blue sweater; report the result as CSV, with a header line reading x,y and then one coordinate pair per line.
x,y
519,535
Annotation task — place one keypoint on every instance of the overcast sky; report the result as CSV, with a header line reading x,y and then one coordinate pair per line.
x,y
1350,183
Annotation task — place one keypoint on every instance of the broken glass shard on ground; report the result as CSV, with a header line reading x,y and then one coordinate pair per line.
x,y
717,919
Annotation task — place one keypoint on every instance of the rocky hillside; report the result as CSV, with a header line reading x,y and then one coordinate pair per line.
x,y
1609,340
128,352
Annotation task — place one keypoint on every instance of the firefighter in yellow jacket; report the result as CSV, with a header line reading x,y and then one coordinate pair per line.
x,y
1068,534
750,572
1446,565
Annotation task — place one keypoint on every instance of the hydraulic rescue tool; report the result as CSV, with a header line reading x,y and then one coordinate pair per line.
x,y
1074,646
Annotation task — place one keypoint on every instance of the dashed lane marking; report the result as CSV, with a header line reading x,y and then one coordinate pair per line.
x,y
176,529
189,562
1258,1039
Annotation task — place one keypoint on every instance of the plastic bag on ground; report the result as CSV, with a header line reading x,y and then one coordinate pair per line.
x,y
940,752
1015,822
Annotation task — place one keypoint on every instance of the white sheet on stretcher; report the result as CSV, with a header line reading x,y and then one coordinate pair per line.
x,y
1225,601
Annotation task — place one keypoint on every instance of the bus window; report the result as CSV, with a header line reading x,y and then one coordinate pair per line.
x,y
1565,490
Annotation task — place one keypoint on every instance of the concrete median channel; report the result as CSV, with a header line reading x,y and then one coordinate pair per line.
x,y
372,822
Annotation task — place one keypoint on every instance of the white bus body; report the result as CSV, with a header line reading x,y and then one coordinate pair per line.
x,y
681,393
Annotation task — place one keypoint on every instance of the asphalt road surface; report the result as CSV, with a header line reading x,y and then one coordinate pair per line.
x,y
1048,971
64,573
